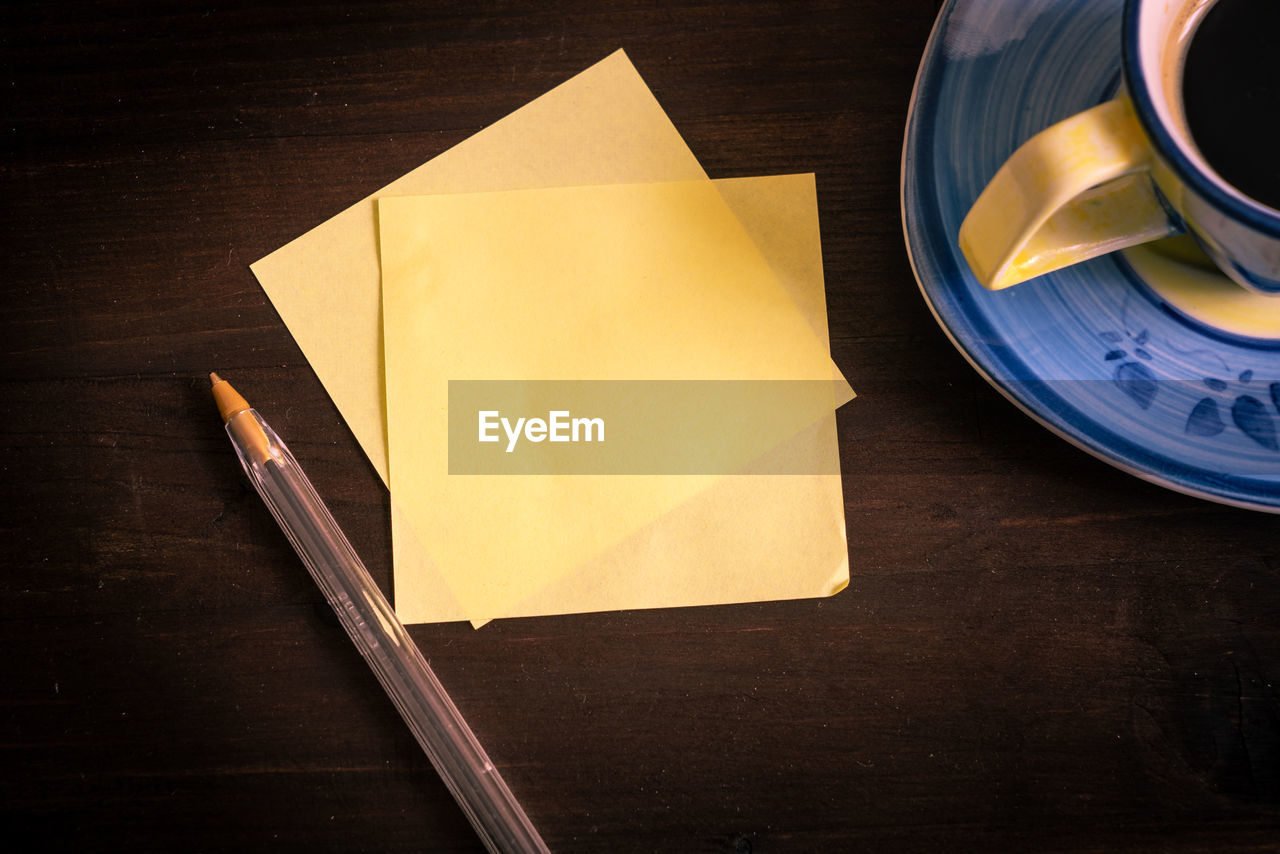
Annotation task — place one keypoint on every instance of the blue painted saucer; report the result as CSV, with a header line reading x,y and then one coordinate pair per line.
x,y
1147,359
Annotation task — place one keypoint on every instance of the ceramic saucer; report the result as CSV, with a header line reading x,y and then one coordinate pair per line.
x,y
1148,359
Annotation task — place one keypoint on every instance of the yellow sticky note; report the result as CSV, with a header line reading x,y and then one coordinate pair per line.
x,y
602,126
654,281
745,538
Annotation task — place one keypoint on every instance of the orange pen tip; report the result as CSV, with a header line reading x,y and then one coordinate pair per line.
x,y
227,398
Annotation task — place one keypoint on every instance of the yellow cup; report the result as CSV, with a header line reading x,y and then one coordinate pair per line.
x,y
1122,173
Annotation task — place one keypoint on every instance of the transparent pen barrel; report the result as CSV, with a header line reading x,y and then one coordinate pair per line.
x,y
387,647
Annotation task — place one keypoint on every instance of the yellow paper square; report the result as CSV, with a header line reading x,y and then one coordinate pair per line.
x,y
747,537
601,126
608,282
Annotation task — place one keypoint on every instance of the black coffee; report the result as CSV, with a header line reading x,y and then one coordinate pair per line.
x,y
1231,92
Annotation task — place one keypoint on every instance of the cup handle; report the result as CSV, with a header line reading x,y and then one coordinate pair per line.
x,y
1078,189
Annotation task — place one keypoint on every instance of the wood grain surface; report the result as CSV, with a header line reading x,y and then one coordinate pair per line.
x,y
1037,652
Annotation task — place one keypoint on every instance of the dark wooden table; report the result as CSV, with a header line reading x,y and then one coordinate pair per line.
x,y
1036,652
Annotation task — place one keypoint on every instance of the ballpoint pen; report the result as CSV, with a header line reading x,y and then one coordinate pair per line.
x,y
376,630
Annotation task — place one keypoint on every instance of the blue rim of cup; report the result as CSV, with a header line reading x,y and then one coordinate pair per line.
x,y
1208,187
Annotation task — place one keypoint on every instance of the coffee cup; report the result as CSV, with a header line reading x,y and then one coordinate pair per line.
x,y
1188,145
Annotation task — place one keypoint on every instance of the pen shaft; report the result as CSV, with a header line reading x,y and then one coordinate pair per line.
x,y
376,631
